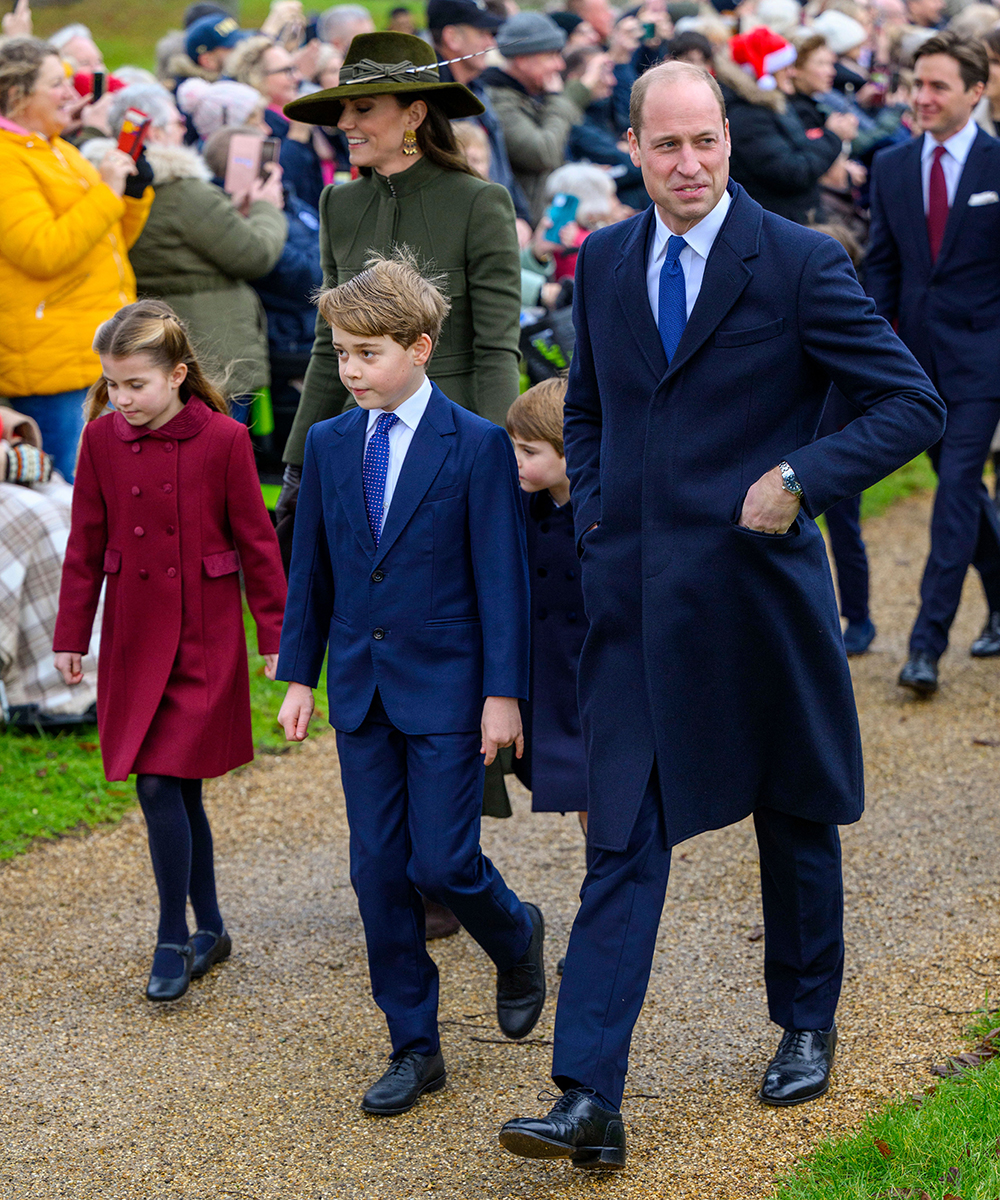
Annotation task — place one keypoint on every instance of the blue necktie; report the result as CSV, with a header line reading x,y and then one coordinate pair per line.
x,y
673,301
375,470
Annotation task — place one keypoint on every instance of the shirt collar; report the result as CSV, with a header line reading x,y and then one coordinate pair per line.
x,y
410,411
958,145
700,237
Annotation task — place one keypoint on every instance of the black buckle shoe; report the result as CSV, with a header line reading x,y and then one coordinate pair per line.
x,y
219,951
521,989
577,1128
800,1070
920,673
406,1080
159,987
987,645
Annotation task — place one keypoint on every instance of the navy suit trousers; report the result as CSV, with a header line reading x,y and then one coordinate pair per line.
x,y
413,807
843,523
614,937
964,525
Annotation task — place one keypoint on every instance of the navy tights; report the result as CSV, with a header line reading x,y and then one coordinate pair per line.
x,y
180,845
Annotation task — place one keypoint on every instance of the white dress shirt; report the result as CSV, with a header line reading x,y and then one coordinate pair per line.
x,y
700,238
400,436
957,149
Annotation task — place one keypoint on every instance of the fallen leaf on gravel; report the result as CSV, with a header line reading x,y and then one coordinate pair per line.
x,y
985,742
883,1148
756,933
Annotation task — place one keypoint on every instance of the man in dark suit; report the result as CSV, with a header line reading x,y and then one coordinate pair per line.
x,y
713,681
933,265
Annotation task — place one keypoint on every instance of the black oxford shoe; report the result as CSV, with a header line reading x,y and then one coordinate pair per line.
x,y
920,673
406,1080
800,1070
987,645
577,1128
161,988
521,989
216,951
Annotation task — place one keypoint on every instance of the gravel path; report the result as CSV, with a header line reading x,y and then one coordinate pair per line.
x,y
248,1087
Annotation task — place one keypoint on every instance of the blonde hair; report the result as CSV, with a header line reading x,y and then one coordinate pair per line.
x,y
21,61
390,298
152,328
537,414
246,63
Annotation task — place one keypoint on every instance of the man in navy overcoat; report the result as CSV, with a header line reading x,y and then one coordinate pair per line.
x,y
933,264
713,682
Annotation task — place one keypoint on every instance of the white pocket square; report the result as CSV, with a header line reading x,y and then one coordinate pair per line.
x,y
980,198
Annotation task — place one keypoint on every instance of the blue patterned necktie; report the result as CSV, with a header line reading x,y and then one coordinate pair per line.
x,y
375,470
673,301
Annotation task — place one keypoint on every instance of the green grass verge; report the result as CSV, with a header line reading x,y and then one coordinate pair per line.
x,y
50,784
128,31
916,476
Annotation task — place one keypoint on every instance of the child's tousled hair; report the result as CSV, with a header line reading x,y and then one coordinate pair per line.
x,y
390,298
152,328
537,414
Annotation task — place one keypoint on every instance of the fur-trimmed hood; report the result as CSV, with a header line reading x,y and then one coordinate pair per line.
x,y
180,66
171,163
730,76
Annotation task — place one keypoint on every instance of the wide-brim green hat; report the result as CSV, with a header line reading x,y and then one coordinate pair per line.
x,y
381,63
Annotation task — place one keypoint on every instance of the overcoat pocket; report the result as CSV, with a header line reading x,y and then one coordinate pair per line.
x,y
112,562
747,337
226,562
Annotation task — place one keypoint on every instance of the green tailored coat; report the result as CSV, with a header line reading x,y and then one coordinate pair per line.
x,y
459,227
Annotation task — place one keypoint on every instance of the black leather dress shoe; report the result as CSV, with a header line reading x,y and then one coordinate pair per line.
x,y
218,951
408,1077
160,987
577,1128
521,989
920,673
987,645
800,1071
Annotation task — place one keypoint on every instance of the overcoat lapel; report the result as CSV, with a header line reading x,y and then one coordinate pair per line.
x,y
432,439
968,182
349,456
630,282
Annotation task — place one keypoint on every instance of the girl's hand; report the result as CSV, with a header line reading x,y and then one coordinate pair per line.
x,y
501,726
70,667
296,710
270,665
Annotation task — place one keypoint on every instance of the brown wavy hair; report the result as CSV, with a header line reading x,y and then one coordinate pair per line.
x,y
435,137
152,328
21,60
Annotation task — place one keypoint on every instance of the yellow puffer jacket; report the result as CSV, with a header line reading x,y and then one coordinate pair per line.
x,y
64,268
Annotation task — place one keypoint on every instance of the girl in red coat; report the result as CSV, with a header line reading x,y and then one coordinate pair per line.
x,y
167,509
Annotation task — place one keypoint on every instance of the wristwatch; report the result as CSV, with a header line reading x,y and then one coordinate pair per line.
x,y
789,480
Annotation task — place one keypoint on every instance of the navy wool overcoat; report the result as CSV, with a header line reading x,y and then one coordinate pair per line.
x,y
714,651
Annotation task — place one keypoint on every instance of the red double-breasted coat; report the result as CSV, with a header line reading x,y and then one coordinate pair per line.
x,y
168,517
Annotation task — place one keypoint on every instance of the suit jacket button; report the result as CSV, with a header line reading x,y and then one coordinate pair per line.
x,y
139,531
378,576
136,491
541,572
544,527
570,574
171,572
571,617
143,574
378,634
136,447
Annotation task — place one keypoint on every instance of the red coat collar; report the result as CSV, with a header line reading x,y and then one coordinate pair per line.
x,y
192,419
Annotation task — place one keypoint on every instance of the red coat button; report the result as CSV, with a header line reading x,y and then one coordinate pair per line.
x,y
143,574
136,491
136,447
168,488
171,572
168,446
171,530
139,531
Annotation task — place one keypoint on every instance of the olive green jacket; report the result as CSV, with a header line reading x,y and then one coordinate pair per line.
x,y
459,227
195,252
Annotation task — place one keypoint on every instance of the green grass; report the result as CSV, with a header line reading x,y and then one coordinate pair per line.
x,y
52,784
127,31
917,476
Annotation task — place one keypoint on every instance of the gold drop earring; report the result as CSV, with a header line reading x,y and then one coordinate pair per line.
x,y
409,143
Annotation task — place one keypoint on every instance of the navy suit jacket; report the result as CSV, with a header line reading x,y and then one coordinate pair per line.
x,y
715,651
949,310
437,617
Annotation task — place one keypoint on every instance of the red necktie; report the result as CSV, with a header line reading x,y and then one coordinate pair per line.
x,y
937,205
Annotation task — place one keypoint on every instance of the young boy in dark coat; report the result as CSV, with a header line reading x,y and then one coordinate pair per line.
x,y
409,560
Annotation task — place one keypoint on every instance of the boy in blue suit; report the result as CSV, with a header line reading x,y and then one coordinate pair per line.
x,y
409,560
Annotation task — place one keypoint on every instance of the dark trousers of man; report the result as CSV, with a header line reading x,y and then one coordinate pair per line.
x,y
843,523
614,937
413,806
964,524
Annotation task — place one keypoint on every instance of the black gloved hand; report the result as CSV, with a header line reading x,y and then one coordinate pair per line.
x,y
135,185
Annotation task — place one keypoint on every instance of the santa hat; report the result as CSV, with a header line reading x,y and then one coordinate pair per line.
x,y
760,53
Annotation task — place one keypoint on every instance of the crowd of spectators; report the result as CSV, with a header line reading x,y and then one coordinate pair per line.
x,y
813,91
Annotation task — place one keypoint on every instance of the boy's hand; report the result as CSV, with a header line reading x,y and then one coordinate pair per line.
x,y
296,710
70,667
270,665
501,726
